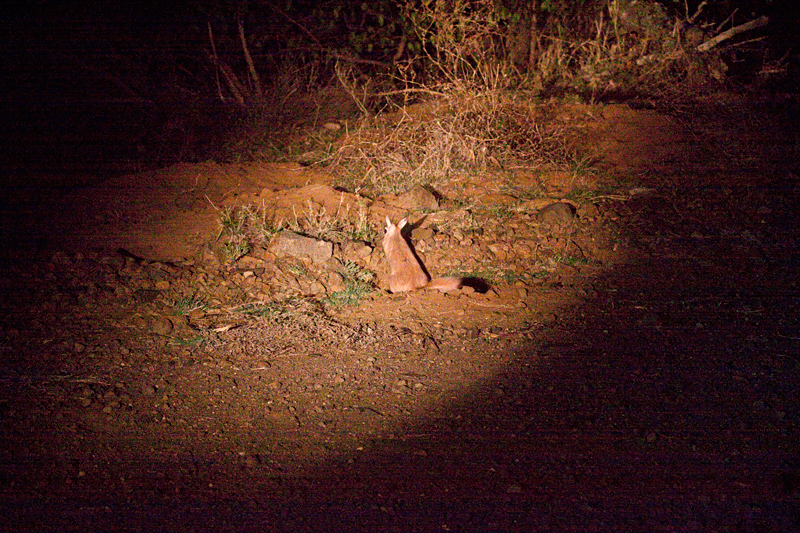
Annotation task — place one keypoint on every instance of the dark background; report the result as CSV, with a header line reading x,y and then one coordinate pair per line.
x,y
113,87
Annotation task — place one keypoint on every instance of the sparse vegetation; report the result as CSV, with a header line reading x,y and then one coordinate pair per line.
x,y
581,164
353,293
298,269
501,212
236,248
340,226
362,230
570,260
286,308
465,81
240,227
190,342
466,136
358,281
243,228
185,305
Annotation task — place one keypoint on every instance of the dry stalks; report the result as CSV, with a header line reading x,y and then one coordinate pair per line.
x,y
478,124
633,51
343,225
250,226
465,136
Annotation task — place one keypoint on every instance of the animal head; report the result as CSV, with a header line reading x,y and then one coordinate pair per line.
x,y
392,231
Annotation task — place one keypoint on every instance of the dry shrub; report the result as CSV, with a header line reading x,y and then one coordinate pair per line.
x,y
637,49
462,65
460,48
463,136
475,124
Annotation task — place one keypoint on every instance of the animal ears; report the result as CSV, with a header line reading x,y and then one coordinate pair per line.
x,y
399,224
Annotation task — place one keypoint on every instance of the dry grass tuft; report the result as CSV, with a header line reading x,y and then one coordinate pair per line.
x,y
467,134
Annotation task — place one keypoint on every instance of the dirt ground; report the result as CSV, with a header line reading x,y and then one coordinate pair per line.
x,y
629,362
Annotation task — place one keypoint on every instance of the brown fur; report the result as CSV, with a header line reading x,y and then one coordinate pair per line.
x,y
405,270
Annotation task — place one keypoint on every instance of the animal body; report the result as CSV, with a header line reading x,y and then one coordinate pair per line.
x,y
406,273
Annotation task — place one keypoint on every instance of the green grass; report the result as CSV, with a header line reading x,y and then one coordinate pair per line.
x,y
358,281
581,165
570,260
242,229
261,310
298,269
501,211
353,293
287,308
236,249
185,305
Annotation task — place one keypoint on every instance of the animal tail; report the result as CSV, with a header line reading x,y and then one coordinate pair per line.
x,y
445,284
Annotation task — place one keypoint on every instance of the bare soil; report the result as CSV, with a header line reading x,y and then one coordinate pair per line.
x,y
633,365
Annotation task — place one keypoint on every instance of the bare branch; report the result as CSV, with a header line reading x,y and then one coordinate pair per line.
x,y
250,65
747,26
234,84
691,19
216,62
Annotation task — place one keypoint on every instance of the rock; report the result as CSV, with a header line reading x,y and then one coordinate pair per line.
x,y
556,214
531,206
498,251
196,314
146,295
421,234
418,197
356,249
248,262
211,259
161,326
316,288
335,282
589,211
496,198
261,254
292,244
